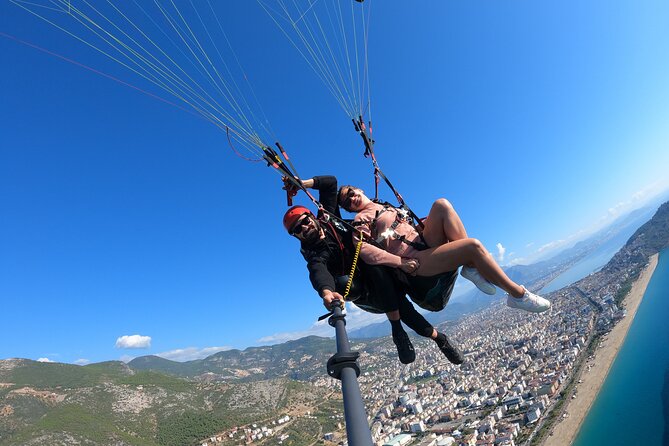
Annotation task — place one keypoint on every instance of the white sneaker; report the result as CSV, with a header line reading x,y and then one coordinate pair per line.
x,y
473,275
528,302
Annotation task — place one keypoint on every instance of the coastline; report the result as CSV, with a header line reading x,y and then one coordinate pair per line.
x,y
565,430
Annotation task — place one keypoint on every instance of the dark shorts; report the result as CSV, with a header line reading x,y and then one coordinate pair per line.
x,y
375,289
379,289
431,293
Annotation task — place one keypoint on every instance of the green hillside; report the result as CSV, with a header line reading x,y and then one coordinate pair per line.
x,y
109,403
302,359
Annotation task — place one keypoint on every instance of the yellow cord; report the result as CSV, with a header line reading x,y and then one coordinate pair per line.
x,y
355,262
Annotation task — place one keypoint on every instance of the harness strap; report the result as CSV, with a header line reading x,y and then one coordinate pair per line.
x,y
353,266
291,179
341,246
359,126
420,246
401,216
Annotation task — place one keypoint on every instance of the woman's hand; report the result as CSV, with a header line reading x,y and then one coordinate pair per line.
x,y
410,266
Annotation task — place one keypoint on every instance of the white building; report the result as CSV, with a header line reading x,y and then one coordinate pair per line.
x,y
533,415
399,440
418,427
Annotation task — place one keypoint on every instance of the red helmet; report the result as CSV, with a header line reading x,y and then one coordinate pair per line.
x,y
293,214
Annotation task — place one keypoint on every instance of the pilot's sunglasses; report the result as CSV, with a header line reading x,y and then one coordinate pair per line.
x,y
300,225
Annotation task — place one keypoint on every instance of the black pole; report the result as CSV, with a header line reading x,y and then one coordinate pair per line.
x,y
343,365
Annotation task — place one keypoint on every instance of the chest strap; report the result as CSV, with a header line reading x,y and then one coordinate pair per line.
x,y
401,215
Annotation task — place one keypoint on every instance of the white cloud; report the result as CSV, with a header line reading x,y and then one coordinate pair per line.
x,y
44,360
500,252
191,353
551,246
545,250
355,318
133,341
636,201
82,361
318,329
617,209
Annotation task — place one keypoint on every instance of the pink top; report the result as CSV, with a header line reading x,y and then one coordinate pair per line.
x,y
394,249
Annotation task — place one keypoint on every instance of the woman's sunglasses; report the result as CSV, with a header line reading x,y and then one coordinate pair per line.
x,y
346,204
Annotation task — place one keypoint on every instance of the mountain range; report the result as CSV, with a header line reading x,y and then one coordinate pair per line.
x,y
534,276
152,401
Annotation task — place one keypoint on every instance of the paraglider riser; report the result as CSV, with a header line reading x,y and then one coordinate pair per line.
x,y
340,361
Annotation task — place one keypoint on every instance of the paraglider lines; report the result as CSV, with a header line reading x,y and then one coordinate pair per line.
x,y
327,50
161,69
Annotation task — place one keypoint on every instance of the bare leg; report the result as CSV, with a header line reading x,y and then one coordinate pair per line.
x,y
443,224
450,256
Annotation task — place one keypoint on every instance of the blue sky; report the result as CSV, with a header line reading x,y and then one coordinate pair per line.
x,y
122,215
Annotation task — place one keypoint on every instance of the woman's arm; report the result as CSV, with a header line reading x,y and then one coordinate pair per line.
x,y
373,255
370,254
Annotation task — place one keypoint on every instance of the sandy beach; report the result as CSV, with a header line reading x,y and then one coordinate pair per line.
x,y
564,432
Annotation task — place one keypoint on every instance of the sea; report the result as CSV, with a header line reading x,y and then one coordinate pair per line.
x,y
632,407
593,262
